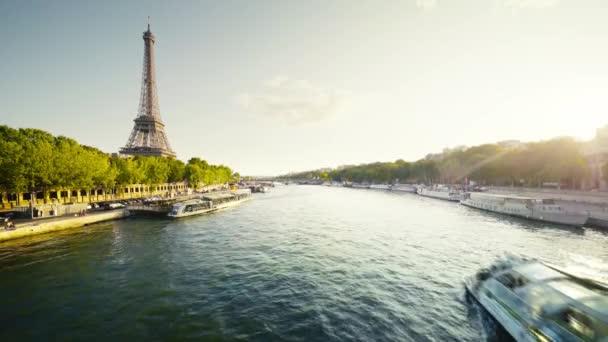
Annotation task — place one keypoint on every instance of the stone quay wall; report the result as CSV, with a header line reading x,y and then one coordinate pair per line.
x,y
60,223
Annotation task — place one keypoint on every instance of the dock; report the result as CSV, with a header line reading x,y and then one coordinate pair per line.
x,y
160,207
163,207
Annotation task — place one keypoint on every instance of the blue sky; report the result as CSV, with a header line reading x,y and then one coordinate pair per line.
x,y
268,87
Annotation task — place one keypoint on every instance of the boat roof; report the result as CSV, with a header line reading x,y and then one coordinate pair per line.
x,y
190,201
539,272
225,194
507,196
554,289
218,195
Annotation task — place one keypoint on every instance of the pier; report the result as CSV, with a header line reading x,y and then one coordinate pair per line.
x,y
159,207
163,207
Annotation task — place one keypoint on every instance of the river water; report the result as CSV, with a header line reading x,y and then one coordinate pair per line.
x,y
301,263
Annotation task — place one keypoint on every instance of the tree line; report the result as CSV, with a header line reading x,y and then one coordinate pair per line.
x,y
35,160
558,161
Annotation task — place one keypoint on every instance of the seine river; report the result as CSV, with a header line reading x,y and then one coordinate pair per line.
x,y
301,263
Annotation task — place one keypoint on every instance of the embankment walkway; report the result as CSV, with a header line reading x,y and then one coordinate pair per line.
x,y
43,226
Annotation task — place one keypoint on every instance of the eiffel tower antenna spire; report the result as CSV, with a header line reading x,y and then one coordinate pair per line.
x,y
148,137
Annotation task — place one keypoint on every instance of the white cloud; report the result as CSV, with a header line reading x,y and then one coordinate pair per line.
x,y
529,3
292,101
426,4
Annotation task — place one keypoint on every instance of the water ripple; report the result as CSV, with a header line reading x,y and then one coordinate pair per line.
x,y
296,264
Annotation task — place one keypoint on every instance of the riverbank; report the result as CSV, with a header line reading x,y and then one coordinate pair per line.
x,y
36,227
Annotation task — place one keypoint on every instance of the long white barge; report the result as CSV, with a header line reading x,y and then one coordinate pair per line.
x,y
540,209
441,192
404,188
380,186
209,202
360,186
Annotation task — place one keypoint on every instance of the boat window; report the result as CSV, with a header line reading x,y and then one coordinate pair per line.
x,y
548,201
578,323
512,280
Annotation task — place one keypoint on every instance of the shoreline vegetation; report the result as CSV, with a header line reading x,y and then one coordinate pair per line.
x,y
559,162
35,161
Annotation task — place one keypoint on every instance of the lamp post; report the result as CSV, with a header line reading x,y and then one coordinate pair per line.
x,y
32,194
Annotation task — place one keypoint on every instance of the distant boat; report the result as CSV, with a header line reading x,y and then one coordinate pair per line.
x,y
360,186
404,188
441,192
539,209
380,186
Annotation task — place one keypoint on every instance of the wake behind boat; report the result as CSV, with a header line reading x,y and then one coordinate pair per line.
x,y
534,301
210,202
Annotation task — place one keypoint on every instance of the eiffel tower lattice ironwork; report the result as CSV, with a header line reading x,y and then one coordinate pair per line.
x,y
148,137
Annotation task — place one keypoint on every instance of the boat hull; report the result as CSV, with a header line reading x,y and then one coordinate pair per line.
x,y
575,220
232,204
193,213
218,207
511,325
359,186
403,188
443,195
380,186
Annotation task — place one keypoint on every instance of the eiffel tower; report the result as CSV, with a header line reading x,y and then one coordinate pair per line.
x,y
148,137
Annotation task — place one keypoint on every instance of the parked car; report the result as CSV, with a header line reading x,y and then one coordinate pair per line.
x,y
112,206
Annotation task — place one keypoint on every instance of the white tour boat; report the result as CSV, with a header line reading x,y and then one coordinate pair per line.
x,y
404,188
441,192
534,301
210,202
540,209
380,186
